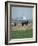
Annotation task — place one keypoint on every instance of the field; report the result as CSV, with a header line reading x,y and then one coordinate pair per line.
x,y
20,31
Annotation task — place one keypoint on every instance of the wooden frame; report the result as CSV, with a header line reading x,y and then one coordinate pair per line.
x,y
8,6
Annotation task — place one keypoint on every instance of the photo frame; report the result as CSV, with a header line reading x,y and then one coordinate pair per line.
x,y
26,14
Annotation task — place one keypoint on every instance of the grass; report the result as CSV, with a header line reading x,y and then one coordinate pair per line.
x,y
21,34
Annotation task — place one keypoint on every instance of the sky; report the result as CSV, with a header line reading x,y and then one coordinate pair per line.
x,y
21,12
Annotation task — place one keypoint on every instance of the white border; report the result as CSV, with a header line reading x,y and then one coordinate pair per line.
x,y
34,25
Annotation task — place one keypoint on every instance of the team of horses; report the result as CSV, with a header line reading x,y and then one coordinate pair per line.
x,y
25,22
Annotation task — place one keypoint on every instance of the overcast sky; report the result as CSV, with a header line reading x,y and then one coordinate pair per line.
x,y
18,12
